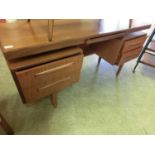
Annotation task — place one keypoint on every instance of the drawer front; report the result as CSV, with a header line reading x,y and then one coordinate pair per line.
x,y
134,43
33,94
129,55
45,79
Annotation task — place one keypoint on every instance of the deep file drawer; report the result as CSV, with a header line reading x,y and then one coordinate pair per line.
x,y
51,77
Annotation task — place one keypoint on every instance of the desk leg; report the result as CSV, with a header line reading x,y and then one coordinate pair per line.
x,y
50,29
6,127
54,99
99,60
130,23
119,69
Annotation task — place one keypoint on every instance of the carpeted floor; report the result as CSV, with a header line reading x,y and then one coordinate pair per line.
x,y
99,104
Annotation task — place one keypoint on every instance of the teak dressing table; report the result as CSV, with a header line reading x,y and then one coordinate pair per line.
x,y
42,68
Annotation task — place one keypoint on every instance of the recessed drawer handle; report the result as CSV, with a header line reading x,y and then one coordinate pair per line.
x,y
52,84
54,69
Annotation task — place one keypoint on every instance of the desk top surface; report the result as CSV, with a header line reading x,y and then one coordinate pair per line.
x,y
22,35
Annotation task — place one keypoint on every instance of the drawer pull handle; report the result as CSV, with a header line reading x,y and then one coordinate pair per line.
x,y
135,44
50,85
54,69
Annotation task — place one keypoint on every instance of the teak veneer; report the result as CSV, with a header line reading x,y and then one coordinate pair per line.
x,y
42,68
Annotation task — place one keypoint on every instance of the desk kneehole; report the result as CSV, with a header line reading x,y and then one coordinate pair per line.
x,y
49,78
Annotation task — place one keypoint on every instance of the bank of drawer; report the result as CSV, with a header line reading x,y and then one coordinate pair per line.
x,y
134,43
129,55
45,79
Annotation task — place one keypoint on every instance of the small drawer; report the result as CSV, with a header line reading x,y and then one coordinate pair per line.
x,y
45,79
134,43
129,55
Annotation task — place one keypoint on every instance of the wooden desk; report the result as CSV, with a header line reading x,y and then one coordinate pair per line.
x,y
27,51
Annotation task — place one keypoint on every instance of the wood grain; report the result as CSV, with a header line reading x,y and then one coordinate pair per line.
x,y
24,39
41,68
43,80
23,63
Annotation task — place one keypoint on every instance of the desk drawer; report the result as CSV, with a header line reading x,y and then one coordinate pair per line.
x,y
134,43
129,55
45,79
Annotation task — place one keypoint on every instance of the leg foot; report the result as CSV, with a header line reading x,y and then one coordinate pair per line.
x,y
99,60
54,99
119,69
6,127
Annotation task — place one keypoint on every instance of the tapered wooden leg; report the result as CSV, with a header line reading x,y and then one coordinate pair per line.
x,y
130,23
6,127
54,99
99,60
50,29
119,69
